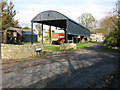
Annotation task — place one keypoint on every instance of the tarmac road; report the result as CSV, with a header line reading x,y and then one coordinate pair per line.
x,y
69,69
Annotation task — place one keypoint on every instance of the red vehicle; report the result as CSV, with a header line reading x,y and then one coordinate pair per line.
x,y
59,41
58,35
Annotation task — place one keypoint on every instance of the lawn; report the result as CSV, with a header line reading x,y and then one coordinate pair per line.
x,y
42,55
52,47
83,44
57,47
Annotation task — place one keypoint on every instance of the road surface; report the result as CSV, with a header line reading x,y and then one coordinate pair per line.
x,y
65,69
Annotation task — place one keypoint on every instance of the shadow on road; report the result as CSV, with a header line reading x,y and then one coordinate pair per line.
x,y
82,70
76,69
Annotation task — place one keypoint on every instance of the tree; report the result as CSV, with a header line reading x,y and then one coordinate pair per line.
x,y
7,14
26,27
39,29
49,33
110,29
87,20
108,24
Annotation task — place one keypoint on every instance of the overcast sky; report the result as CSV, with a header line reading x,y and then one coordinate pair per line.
x,y
28,9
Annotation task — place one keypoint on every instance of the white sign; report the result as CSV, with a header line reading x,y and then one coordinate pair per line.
x,y
14,34
38,49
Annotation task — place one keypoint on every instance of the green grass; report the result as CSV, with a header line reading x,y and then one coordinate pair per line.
x,y
42,55
57,47
83,44
53,47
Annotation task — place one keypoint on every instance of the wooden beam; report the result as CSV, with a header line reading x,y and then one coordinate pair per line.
x,y
42,33
31,32
50,34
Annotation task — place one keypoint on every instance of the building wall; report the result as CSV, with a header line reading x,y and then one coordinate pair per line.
x,y
9,51
27,38
97,37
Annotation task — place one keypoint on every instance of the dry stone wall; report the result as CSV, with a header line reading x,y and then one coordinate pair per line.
x,y
9,51
67,46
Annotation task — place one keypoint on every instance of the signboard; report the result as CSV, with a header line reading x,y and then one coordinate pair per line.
x,y
38,49
14,34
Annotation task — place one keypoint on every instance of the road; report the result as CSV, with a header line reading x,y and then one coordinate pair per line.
x,y
65,69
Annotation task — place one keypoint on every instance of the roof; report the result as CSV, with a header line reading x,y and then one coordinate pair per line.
x,y
11,29
28,33
58,19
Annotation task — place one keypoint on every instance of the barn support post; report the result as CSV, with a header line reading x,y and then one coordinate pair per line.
x,y
42,33
50,34
76,39
56,28
31,32
66,35
72,39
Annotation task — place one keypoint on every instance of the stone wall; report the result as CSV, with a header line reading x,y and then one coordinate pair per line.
x,y
9,51
67,46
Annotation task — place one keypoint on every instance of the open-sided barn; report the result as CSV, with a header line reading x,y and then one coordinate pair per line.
x,y
57,19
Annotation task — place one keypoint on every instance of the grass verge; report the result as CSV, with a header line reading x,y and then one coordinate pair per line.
x,y
42,55
57,47
83,44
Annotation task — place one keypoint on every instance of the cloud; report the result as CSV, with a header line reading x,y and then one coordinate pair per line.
x,y
70,8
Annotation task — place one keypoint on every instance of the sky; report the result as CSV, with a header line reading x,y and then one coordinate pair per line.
x,y
28,9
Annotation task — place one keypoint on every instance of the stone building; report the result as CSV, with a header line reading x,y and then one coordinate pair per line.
x,y
16,35
12,35
98,37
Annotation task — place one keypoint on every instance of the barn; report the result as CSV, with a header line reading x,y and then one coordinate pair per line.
x,y
57,19
26,36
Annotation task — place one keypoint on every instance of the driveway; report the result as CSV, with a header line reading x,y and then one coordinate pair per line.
x,y
65,69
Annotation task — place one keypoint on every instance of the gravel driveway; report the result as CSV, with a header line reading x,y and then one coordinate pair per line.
x,y
65,69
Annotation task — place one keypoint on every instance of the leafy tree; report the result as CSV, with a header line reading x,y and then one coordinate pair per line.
x,y
108,24
87,20
39,29
48,37
110,29
49,33
26,27
7,14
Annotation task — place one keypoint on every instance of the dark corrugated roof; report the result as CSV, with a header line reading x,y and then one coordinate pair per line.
x,y
57,16
28,33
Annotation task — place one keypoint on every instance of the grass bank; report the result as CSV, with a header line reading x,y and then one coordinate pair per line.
x,y
57,47
42,55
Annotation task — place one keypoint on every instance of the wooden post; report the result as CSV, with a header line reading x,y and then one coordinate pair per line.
x,y
50,34
72,39
66,40
56,28
42,33
31,32
66,35
76,39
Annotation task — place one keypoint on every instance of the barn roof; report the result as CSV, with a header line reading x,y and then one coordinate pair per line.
x,y
57,19
28,33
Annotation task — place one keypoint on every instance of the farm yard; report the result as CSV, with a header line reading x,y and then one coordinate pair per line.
x,y
87,66
59,44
